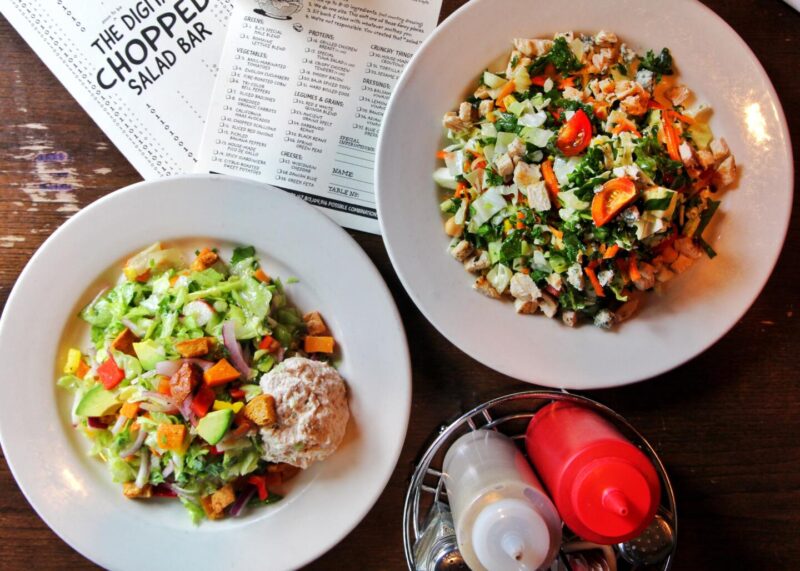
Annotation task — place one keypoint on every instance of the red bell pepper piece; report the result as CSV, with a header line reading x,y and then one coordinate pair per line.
x,y
260,482
110,374
269,344
237,393
202,401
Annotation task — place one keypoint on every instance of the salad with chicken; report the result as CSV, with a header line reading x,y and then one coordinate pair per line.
x,y
168,392
579,177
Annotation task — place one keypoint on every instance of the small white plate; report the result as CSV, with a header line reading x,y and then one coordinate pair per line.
x,y
700,306
74,494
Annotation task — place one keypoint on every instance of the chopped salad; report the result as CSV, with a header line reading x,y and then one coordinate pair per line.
x,y
578,177
167,394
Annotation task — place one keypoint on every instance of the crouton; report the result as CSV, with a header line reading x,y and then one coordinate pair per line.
x,y
504,164
523,288
466,112
517,150
526,307
214,505
486,106
483,286
533,47
315,325
453,122
132,491
204,260
261,410
462,250
124,342
569,317
548,305
478,262
726,173
194,347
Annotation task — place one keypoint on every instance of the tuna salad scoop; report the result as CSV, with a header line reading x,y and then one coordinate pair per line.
x,y
311,410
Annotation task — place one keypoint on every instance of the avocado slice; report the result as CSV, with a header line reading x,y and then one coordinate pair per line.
x,y
213,426
97,402
149,353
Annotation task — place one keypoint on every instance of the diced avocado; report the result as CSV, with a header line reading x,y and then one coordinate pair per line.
x,y
97,402
214,425
149,353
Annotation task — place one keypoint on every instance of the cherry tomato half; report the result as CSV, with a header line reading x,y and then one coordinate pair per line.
x,y
575,135
615,195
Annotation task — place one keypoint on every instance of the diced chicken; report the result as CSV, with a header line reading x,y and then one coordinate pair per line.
x,y
569,317
705,158
647,279
194,347
678,94
687,247
574,94
315,325
453,122
603,59
569,36
204,260
526,175
533,47
538,198
605,39
526,307
261,410
604,318
664,275
504,164
516,60
548,305
636,104
466,112
482,92
523,287
485,107
477,263
124,342
682,264
132,491
215,504
483,286
462,251
726,173
517,150
719,147
453,228
575,277
555,281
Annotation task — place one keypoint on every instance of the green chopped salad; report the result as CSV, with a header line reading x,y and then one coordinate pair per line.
x,y
579,177
167,394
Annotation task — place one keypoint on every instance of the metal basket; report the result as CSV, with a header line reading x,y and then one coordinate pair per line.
x,y
510,415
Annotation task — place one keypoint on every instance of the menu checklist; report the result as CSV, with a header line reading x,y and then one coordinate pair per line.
x,y
301,93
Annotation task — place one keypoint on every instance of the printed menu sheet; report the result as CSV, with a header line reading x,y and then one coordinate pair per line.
x,y
143,69
301,93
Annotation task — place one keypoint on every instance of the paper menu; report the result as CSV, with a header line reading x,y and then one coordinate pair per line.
x,y
144,70
301,93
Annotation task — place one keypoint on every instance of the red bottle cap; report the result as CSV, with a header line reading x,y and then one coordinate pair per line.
x,y
610,499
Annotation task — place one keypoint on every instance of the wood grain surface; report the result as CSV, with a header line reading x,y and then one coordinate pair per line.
x,y
726,424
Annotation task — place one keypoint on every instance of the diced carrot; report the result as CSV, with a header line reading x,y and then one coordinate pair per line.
x,y
550,180
441,154
633,269
170,436
520,226
319,344
521,215
130,410
611,252
83,368
262,276
163,386
507,90
525,271
595,282
142,278
221,373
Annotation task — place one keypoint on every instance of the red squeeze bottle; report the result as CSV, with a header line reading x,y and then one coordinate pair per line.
x,y
605,488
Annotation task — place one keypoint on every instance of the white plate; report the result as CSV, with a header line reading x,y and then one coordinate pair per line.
x,y
74,493
698,308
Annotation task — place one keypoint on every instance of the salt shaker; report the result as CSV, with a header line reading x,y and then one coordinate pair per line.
x,y
437,549
503,519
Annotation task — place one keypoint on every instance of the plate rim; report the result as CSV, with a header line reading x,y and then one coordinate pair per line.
x,y
502,367
403,351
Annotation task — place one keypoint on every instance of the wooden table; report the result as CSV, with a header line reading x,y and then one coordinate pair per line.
x,y
726,424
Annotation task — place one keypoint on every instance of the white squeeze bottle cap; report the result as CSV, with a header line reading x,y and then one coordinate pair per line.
x,y
511,535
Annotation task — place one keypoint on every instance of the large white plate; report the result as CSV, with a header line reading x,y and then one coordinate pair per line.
x,y
74,493
699,307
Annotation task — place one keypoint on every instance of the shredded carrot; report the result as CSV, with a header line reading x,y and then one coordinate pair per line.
x,y
557,233
670,135
441,154
610,252
461,190
653,104
142,278
595,282
685,118
633,269
626,125
568,82
479,163
550,179
507,90
262,276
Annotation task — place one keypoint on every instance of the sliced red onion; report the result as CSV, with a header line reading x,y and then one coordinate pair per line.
x,y
144,469
95,422
164,491
234,348
202,363
135,445
119,425
241,502
186,410
279,354
168,469
132,326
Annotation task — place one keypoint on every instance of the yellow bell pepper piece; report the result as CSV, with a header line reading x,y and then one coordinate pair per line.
x,y
73,361
234,406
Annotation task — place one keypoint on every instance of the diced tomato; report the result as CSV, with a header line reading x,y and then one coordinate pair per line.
x,y
110,374
237,393
260,482
575,135
616,194
162,491
202,401
214,451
